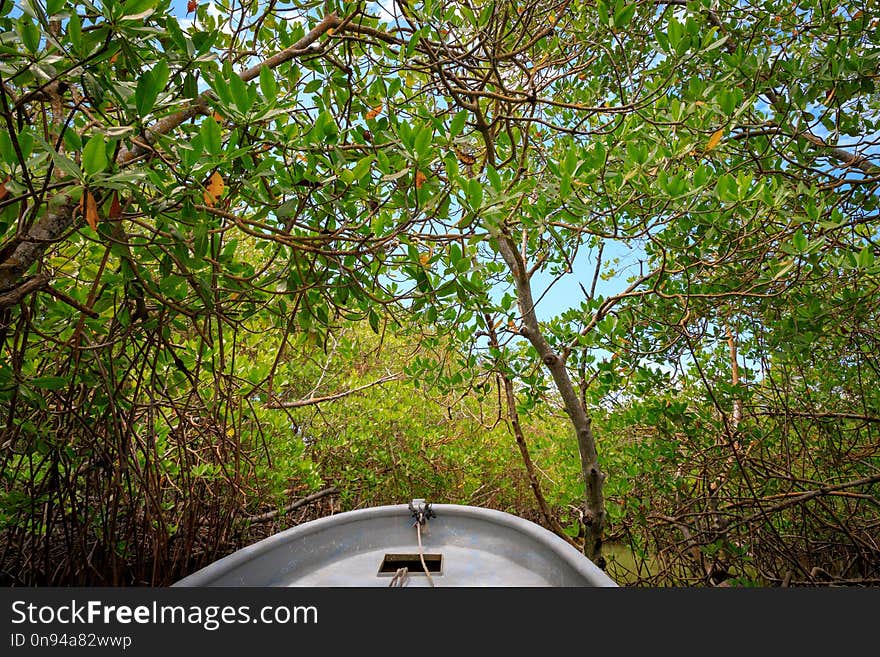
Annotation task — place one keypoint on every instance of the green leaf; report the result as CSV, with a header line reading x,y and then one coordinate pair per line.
x,y
200,239
161,73
49,382
145,94
74,30
287,209
730,99
139,9
564,185
148,87
94,155
602,8
29,32
362,167
422,143
267,83
320,126
717,43
66,165
92,87
623,15
865,258
26,143
177,35
494,178
457,123
211,137
474,193
190,86
240,95
571,161
455,253
219,86
7,151
675,32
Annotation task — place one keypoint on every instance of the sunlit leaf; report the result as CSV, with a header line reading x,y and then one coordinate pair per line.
x,y
213,189
715,139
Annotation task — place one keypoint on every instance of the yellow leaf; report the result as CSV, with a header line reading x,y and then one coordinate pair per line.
x,y
373,113
89,208
715,139
424,259
213,189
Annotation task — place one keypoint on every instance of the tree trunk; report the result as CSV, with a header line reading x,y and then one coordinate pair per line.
x,y
516,428
594,499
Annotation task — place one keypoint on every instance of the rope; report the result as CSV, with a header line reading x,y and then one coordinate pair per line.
x,y
399,578
422,554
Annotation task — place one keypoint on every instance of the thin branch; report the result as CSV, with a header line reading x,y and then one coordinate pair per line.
x,y
311,401
15,295
821,416
269,515
803,497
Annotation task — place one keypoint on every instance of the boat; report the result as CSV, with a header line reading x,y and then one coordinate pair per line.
x,y
413,545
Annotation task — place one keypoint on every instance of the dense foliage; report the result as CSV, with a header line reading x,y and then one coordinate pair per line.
x,y
255,250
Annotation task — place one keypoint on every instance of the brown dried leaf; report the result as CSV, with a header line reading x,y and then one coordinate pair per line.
x,y
191,6
465,158
89,208
420,179
213,189
115,207
3,191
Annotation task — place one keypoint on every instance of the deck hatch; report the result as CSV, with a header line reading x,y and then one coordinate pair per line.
x,y
391,563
